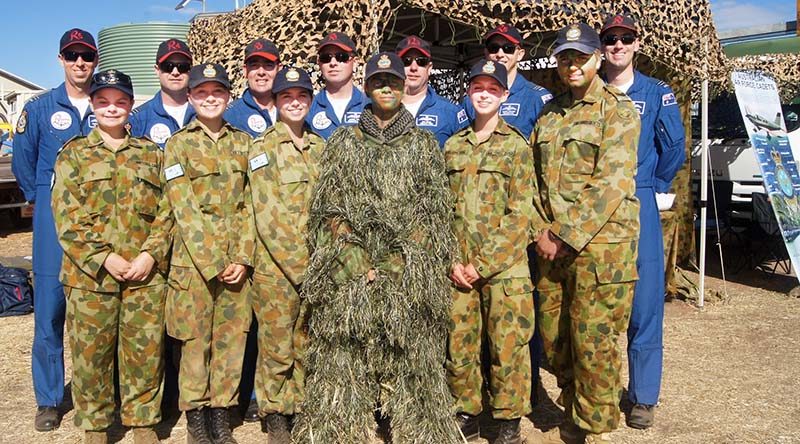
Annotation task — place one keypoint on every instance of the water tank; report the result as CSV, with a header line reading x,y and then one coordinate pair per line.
x,y
131,48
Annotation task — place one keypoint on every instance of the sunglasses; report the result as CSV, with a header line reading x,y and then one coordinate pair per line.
x,y
341,57
507,48
167,67
612,39
422,61
72,56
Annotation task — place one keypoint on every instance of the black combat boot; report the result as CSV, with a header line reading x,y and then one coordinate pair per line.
x,y
196,428
278,429
508,433
221,426
469,425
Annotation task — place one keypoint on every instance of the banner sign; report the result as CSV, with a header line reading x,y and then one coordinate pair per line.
x,y
760,106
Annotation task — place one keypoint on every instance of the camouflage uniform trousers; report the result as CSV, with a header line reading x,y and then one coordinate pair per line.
x,y
280,376
211,319
501,311
128,325
585,304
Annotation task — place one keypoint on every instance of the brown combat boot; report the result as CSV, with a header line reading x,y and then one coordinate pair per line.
x,y
598,438
196,428
95,437
145,435
221,426
278,429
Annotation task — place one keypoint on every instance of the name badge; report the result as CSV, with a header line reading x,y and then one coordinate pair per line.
x,y
259,161
174,171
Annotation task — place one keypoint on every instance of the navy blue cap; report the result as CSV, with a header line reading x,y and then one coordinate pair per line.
x,y
509,32
77,36
208,72
578,36
291,77
385,62
339,39
620,21
172,46
262,48
111,78
413,42
495,70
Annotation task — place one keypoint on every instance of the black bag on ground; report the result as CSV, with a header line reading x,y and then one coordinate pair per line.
x,y
16,295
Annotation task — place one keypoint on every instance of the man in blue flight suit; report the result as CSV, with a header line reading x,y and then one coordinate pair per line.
x,y
255,111
503,44
47,122
169,110
660,156
340,102
431,111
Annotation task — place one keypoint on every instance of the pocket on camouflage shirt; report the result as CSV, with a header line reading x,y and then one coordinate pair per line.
x,y
147,190
293,190
94,182
494,176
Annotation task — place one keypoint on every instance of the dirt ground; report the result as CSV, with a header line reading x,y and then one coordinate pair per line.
x,y
730,371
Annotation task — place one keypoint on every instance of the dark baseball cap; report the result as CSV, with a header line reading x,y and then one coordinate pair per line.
x,y
619,21
413,42
509,32
385,62
172,46
339,39
208,72
491,69
578,36
111,78
262,48
291,77
77,36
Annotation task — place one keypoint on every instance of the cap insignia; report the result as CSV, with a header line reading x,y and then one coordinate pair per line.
x,y
209,72
489,67
618,20
574,33
292,75
111,77
258,45
384,62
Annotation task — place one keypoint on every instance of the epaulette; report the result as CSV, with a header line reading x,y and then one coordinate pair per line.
x,y
463,132
68,142
137,109
142,141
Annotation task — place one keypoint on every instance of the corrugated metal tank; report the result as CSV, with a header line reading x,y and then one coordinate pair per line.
x,y
131,48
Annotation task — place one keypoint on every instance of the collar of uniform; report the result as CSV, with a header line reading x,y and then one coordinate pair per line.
x,y
250,101
62,98
593,94
502,128
94,139
429,100
283,135
637,82
197,125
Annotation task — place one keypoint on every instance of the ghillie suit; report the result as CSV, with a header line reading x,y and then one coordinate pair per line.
x,y
382,201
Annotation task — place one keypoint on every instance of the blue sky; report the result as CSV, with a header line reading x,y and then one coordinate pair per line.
x,y
32,28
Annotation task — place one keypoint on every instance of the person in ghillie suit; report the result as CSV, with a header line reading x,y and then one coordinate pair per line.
x,y
376,284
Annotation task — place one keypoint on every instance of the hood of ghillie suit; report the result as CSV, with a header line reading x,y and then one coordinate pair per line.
x,y
382,201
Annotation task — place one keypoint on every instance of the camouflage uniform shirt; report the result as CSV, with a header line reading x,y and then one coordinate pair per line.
x,y
109,200
282,177
585,159
205,182
493,182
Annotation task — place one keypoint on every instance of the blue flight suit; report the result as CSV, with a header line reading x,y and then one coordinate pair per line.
x,y
322,119
440,116
48,122
246,115
660,155
151,120
523,106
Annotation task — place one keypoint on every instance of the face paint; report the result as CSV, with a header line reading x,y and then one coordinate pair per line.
x,y
576,69
385,91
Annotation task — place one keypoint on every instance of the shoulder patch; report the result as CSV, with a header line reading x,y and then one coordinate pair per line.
x,y
173,171
462,116
22,123
668,99
547,97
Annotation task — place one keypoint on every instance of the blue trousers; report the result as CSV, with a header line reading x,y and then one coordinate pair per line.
x,y
47,355
646,329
